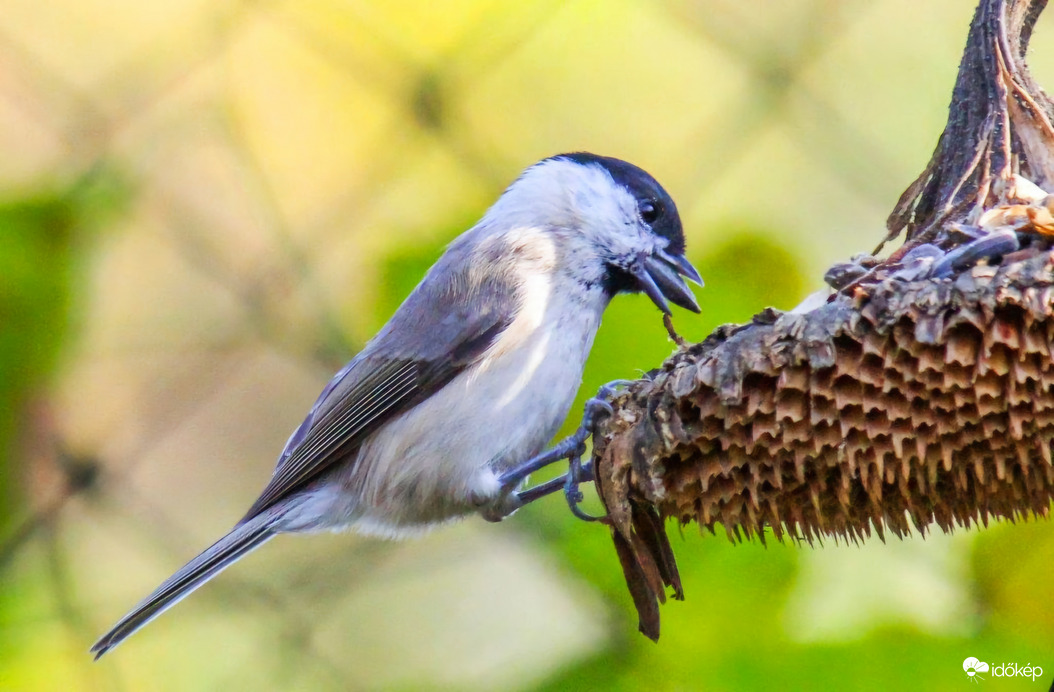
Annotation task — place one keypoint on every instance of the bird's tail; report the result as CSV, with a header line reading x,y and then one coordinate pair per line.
x,y
242,539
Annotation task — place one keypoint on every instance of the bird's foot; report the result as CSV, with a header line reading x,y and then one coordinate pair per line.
x,y
578,473
572,448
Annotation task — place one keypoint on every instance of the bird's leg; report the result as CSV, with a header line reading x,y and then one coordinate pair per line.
x,y
549,487
571,448
569,483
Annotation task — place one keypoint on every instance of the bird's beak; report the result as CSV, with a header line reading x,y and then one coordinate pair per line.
x,y
659,276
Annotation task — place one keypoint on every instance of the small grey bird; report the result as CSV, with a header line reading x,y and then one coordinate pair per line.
x,y
443,412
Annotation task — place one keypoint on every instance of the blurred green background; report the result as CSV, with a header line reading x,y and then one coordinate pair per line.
x,y
206,207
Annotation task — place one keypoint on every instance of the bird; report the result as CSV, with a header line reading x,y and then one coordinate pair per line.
x,y
444,413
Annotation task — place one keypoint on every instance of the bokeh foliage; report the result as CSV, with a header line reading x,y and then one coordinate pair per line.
x,y
297,166
47,237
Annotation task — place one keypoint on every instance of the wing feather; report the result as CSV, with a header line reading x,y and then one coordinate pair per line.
x,y
392,376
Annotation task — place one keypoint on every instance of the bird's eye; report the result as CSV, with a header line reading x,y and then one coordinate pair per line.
x,y
649,211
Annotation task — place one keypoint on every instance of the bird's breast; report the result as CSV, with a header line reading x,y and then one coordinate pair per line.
x,y
441,458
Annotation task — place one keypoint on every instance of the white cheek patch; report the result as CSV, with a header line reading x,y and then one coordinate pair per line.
x,y
563,194
608,217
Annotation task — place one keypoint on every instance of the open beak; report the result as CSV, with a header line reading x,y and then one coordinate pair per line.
x,y
659,276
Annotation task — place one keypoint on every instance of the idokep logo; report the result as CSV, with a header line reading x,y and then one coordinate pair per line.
x,y
973,668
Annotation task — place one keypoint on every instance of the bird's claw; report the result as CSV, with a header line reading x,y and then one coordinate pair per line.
x,y
573,449
576,474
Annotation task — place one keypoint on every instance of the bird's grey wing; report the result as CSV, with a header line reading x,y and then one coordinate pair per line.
x,y
441,329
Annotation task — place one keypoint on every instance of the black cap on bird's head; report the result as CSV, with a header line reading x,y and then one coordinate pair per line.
x,y
658,272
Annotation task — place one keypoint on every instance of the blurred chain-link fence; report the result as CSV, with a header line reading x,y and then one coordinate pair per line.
x,y
212,205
